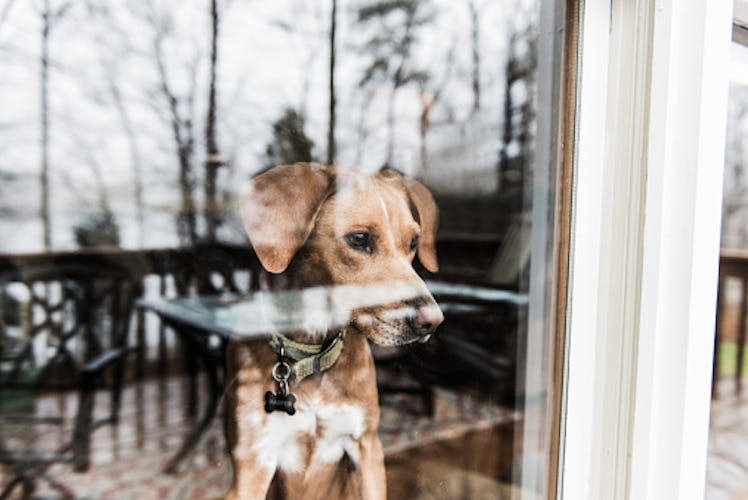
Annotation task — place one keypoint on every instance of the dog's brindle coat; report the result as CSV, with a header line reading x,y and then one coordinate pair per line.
x,y
314,226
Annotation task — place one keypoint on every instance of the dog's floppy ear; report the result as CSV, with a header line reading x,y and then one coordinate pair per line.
x,y
428,218
426,212
279,208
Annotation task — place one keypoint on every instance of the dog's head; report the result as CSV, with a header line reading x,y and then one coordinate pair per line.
x,y
323,226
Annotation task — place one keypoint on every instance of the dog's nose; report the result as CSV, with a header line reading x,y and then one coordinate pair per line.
x,y
426,319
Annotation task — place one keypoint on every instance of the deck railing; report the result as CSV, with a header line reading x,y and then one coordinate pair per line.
x,y
213,269
223,268
202,269
733,265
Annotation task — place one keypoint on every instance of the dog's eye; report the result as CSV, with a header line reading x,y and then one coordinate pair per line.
x,y
414,243
360,241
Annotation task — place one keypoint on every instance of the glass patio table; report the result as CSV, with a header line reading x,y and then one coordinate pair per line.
x,y
206,324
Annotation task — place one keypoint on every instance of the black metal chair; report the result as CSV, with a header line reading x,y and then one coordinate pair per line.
x,y
63,330
204,270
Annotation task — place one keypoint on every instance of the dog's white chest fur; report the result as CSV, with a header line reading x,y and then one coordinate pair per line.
x,y
334,428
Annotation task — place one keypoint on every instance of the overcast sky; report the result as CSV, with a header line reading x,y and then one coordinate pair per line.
x,y
272,55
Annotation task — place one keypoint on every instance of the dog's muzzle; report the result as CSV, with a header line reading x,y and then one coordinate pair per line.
x,y
426,317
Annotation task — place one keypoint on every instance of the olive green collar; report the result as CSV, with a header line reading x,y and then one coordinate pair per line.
x,y
309,359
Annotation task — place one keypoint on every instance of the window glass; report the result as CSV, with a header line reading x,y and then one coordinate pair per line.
x,y
161,275
726,468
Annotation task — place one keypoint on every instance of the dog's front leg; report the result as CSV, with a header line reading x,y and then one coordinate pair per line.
x,y
374,480
253,470
254,464
251,481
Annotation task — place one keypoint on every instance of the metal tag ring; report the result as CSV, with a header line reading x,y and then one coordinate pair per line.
x,y
285,375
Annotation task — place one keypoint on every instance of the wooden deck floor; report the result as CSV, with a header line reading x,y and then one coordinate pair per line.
x,y
128,458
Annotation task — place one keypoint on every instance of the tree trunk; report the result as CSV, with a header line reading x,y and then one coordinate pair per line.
x,y
361,129
135,159
427,103
44,76
186,220
213,161
475,38
6,11
331,153
390,128
424,132
507,125
183,140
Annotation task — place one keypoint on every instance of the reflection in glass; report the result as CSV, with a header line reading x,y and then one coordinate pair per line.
x,y
129,130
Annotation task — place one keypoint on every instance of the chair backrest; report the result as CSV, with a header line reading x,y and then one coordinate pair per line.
x,y
54,318
513,256
206,269
213,269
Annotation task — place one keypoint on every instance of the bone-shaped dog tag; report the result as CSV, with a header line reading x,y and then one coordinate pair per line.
x,y
283,400
280,402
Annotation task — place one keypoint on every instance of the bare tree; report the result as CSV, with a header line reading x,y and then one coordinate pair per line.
x,y
97,225
734,233
392,50
475,45
111,62
44,77
135,156
362,132
49,18
308,47
5,12
98,195
428,97
182,130
515,154
213,161
331,153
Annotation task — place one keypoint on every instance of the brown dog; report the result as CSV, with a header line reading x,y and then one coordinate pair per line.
x,y
321,228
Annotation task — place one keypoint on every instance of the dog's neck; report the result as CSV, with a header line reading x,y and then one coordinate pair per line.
x,y
292,279
313,337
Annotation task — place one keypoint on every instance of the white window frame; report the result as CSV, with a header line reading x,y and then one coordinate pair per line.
x,y
650,137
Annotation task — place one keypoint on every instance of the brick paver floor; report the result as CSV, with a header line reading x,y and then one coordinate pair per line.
x,y
128,458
